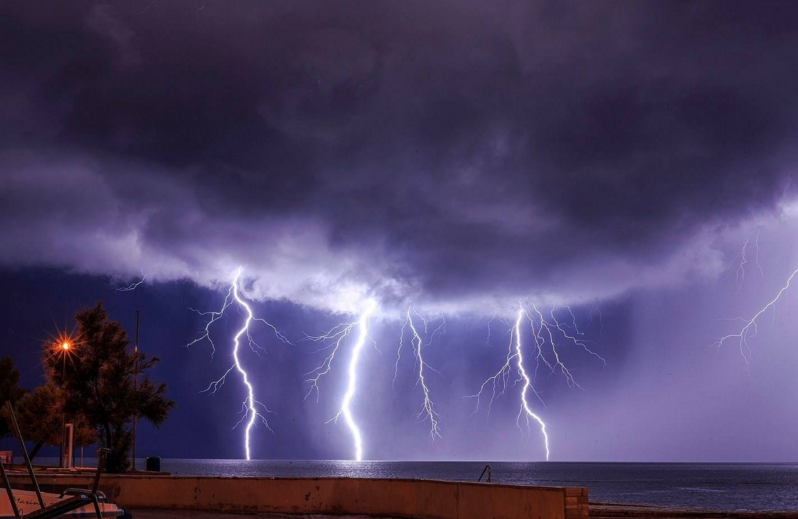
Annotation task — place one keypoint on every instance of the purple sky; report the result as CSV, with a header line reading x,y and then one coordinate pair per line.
x,y
457,156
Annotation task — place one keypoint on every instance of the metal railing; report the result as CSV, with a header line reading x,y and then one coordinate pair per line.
x,y
62,506
487,468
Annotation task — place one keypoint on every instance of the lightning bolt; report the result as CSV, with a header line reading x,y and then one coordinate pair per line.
x,y
739,278
527,385
502,320
499,382
132,286
756,257
250,406
740,273
428,407
595,310
579,342
546,353
335,338
750,326
487,339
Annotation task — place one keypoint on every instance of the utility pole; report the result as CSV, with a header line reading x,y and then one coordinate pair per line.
x,y
61,450
64,347
135,387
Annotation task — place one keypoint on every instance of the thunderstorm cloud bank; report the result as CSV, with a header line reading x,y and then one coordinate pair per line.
x,y
457,154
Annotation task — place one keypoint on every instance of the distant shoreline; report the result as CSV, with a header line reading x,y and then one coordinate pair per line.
x,y
629,510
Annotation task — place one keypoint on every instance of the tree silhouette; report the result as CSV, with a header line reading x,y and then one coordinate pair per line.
x,y
39,415
9,392
98,379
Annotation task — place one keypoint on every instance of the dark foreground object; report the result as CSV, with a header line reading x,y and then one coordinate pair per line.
x,y
618,510
154,464
602,510
340,496
191,514
77,504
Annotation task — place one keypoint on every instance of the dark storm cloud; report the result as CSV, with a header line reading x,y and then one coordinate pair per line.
x,y
442,150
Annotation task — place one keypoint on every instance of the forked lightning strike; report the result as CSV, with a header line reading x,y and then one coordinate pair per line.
x,y
750,328
133,286
595,310
500,380
249,406
740,274
527,385
543,336
739,277
579,342
756,257
428,407
335,337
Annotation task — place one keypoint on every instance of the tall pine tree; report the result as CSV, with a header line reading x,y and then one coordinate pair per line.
x,y
98,379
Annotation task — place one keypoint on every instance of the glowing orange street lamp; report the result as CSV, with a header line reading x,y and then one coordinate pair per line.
x,y
63,343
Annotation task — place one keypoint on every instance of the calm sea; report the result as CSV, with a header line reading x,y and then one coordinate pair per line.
x,y
725,486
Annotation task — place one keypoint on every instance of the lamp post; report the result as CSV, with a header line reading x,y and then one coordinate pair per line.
x,y
65,347
135,388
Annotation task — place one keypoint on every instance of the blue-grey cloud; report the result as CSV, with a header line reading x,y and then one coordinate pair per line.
x,y
445,152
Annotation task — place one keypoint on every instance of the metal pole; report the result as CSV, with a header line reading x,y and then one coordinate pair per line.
x,y
9,491
70,443
100,467
62,448
18,434
135,387
487,468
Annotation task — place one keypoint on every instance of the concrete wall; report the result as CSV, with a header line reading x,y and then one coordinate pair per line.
x,y
397,497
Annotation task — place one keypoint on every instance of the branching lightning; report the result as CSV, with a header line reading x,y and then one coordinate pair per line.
x,y
215,316
750,326
335,338
545,349
428,407
756,257
498,383
525,410
595,310
363,324
579,342
250,406
250,401
739,277
133,286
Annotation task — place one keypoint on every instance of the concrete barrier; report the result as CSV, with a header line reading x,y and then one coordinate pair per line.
x,y
388,497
